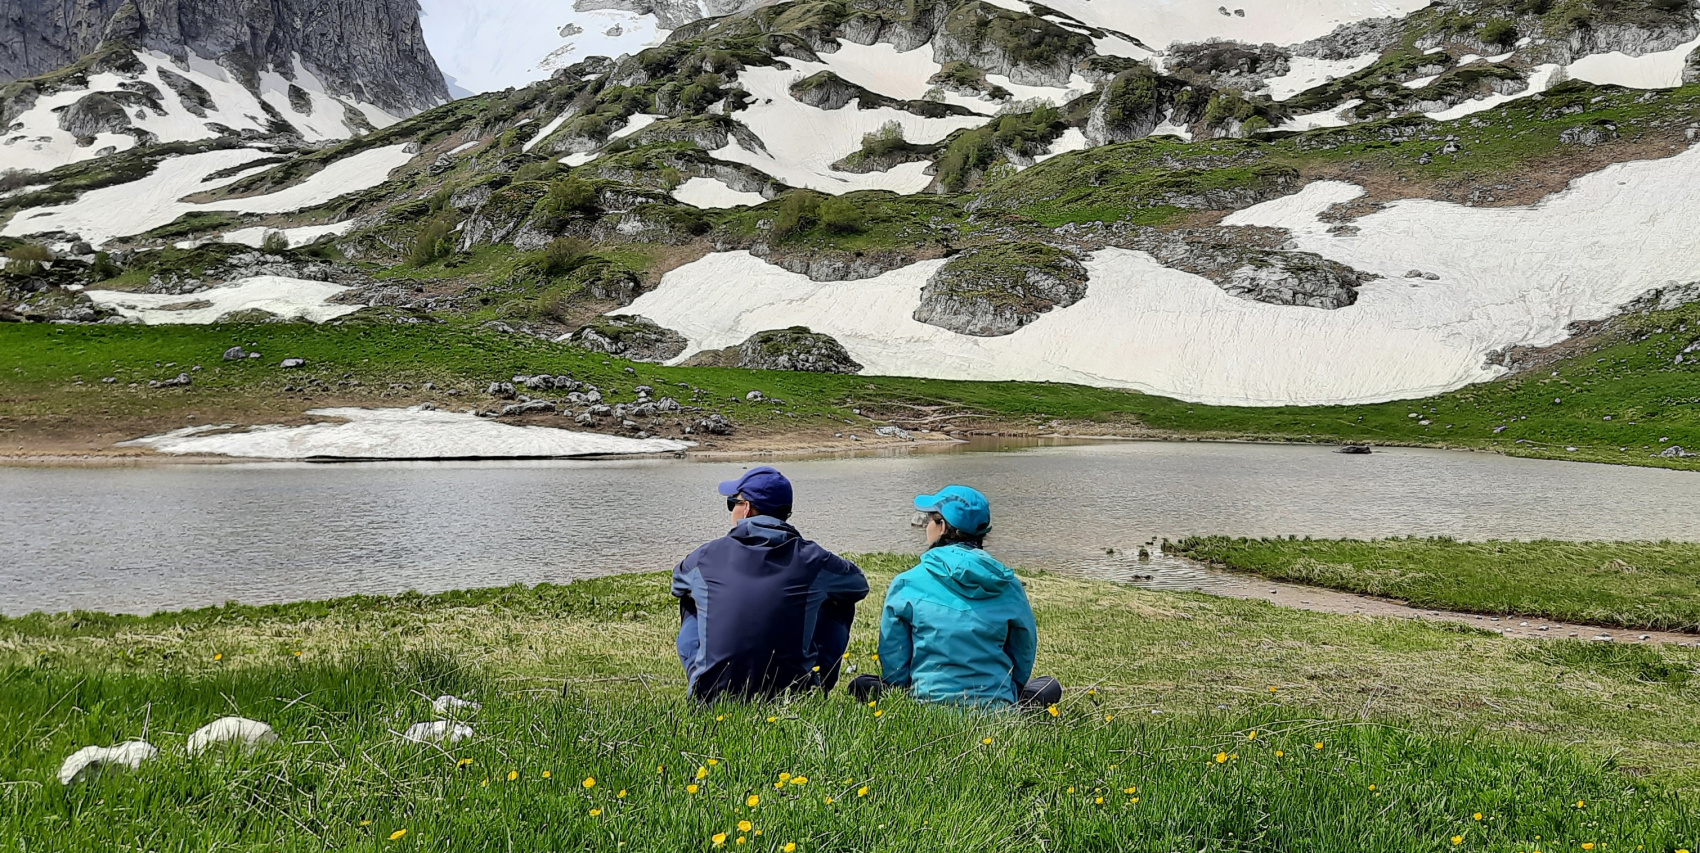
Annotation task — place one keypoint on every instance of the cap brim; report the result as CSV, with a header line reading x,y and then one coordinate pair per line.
x,y
926,503
729,488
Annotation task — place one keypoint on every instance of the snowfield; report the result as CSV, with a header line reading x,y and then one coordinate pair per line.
x,y
1659,70
102,215
295,237
286,297
398,434
1160,23
1507,276
35,143
713,193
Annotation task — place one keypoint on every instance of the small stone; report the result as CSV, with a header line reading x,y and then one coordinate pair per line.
x,y
235,353
440,731
87,763
291,363
240,730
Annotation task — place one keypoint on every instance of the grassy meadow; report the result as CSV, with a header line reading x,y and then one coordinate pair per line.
x,y
1653,585
1193,722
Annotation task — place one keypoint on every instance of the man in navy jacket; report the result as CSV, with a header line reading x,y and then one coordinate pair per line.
x,y
763,610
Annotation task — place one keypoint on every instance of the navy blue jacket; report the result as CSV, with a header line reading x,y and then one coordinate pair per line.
x,y
761,608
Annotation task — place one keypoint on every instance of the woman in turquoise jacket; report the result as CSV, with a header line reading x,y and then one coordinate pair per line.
x,y
957,628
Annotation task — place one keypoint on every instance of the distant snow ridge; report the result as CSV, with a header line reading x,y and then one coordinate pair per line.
x,y
1507,276
486,47
160,100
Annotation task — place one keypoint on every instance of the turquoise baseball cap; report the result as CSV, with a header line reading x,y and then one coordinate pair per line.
x,y
965,509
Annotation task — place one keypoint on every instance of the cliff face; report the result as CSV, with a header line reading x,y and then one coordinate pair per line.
x,y
368,50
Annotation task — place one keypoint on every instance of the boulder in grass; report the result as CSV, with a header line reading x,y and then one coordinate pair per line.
x,y
87,763
240,730
441,731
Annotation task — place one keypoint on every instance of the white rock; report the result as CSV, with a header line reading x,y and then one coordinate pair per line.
x,y
248,733
441,731
86,763
445,705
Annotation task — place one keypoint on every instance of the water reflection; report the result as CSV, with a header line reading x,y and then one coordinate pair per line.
x,y
140,539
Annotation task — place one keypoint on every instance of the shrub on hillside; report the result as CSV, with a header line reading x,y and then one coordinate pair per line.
x,y
566,198
1499,32
434,240
28,259
274,241
841,216
798,211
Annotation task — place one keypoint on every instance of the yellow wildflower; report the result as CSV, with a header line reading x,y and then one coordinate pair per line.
x,y
1319,744
773,719
512,775
589,782
718,838
1109,718
1279,753
1457,839
485,783
879,713
799,780
1100,801
829,801
752,801
1372,787
1133,801
986,741
1477,815
1071,789
790,847
622,794
219,656
298,653
1053,711
702,772
742,839
745,826
548,775
396,836
862,791
1251,735
720,719
595,812
778,785
1092,691
1579,804
1587,845
1221,757
365,823
1272,688
784,777
1131,789
464,762
692,788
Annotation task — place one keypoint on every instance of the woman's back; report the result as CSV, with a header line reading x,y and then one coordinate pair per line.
x,y
958,628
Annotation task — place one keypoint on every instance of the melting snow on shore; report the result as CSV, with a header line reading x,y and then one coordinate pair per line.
x,y
294,298
1514,275
415,433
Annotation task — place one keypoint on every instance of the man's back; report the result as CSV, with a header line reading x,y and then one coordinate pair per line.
x,y
744,600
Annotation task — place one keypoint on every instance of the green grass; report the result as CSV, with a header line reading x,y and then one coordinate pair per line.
x,y
1443,722
1625,585
1622,401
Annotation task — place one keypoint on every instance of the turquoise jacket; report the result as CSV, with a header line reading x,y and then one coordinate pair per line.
x,y
958,629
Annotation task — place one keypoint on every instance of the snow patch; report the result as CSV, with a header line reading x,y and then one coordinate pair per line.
x,y
1539,79
634,124
295,237
120,211
1660,70
1073,139
1328,118
1304,73
1288,22
400,434
240,730
714,193
285,297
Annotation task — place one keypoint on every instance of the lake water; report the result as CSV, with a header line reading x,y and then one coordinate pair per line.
x,y
172,536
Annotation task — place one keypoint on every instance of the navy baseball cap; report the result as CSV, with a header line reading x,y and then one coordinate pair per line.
x,y
966,509
763,486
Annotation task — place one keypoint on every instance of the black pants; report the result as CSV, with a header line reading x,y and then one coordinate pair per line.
x,y
1042,692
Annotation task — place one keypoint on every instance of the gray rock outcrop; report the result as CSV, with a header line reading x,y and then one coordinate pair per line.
x,y
630,336
796,348
369,50
997,289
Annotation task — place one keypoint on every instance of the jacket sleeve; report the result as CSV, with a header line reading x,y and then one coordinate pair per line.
x,y
689,643
1022,645
897,637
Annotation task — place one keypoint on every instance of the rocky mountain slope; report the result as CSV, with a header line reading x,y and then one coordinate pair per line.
x,y
1208,202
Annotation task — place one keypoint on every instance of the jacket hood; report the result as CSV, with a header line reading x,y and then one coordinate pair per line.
x,y
764,531
968,572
